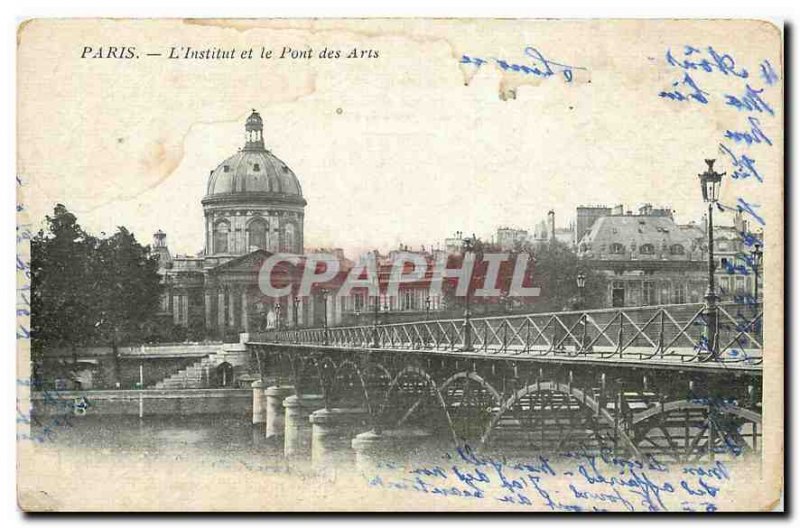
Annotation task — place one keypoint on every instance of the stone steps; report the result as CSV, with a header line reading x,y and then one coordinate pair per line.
x,y
195,376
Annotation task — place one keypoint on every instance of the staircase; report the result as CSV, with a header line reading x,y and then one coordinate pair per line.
x,y
195,376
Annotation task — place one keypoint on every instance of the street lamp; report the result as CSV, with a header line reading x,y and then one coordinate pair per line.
x,y
277,308
295,307
758,255
325,315
375,331
581,281
427,307
468,247
710,184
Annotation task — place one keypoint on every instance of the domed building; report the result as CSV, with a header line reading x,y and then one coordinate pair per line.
x,y
253,201
253,207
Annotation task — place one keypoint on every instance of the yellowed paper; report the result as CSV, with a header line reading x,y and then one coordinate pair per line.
x,y
229,358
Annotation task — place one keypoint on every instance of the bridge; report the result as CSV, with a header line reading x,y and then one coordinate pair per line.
x,y
641,381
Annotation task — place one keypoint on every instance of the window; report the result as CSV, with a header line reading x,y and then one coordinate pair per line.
x,y
724,285
676,249
256,167
617,248
618,294
289,239
221,230
649,293
226,168
257,233
678,293
359,302
180,310
647,249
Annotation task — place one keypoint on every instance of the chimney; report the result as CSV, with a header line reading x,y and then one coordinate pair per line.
x,y
159,239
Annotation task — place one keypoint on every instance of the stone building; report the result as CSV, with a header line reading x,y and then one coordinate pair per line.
x,y
647,257
253,207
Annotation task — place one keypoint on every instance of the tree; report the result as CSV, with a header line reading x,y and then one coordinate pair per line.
x,y
556,271
87,290
62,299
129,285
552,267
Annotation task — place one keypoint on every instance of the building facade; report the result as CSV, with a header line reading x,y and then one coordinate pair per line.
x,y
647,258
253,208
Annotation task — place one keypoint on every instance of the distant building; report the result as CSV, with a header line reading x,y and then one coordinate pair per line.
x,y
546,230
585,216
735,273
508,238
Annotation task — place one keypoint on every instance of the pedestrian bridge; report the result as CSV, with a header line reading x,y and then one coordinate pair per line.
x,y
667,336
643,380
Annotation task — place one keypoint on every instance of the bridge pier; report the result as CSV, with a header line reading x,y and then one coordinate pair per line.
x,y
332,431
297,427
374,447
274,412
259,403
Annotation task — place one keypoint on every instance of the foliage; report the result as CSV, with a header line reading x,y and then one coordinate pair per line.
x,y
89,290
551,266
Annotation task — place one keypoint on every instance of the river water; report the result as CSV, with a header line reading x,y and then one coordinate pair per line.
x,y
216,436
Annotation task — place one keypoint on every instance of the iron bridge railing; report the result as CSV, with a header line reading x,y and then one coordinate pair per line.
x,y
668,332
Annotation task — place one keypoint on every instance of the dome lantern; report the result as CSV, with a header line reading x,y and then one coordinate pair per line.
x,y
254,132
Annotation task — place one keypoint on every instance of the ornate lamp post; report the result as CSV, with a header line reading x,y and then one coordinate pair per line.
x,y
710,184
758,255
375,331
427,308
277,307
468,247
581,282
325,315
295,306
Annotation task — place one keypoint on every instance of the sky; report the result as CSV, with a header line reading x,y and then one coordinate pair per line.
x,y
406,148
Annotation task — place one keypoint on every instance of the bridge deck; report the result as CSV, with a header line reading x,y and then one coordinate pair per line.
x,y
675,361
662,337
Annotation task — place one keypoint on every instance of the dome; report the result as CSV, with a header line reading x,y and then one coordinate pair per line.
x,y
254,174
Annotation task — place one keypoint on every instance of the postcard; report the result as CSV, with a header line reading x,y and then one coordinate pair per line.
x,y
400,265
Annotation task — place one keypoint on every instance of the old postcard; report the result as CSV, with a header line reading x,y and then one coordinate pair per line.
x,y
400,265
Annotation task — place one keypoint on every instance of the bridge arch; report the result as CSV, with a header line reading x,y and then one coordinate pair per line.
x,y
583,400
337,382
696,429
420,373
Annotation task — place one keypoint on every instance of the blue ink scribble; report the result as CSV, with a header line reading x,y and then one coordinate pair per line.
x,y
694,93
768,73
539,65
754,135
751,101
744,166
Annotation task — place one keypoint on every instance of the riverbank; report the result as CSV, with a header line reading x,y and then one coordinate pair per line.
x,y
142,402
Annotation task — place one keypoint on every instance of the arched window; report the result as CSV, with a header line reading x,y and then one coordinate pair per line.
x,y
676,249
257,234
647,249
617,248
221,230
289,238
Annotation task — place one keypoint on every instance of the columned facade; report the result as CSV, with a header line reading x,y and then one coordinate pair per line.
x,y
253,207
